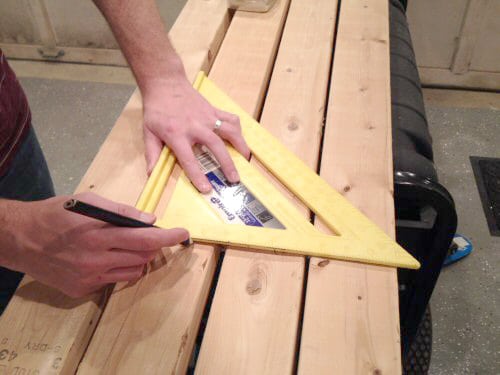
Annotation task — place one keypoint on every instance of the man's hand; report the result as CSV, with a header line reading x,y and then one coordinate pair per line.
x,y
177,115
73,253
174,113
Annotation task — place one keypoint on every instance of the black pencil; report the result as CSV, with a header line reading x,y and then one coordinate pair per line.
x,y
98,213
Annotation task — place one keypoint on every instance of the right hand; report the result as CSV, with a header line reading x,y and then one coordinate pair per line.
x,y
79,255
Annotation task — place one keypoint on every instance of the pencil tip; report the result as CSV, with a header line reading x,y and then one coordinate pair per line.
x,y
70,203
187,242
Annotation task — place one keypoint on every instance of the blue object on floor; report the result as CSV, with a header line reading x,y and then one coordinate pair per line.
x,y
460,247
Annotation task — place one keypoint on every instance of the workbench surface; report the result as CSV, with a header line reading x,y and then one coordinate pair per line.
x,y
268,313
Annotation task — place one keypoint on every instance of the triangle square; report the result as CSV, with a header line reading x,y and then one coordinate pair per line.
x,y
356,237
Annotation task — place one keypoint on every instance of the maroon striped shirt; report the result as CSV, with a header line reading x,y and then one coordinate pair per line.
x,y
15,116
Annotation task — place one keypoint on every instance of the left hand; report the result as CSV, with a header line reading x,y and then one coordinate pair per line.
x,y
177,115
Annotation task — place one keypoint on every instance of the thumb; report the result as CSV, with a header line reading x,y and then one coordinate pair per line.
x,y
153,146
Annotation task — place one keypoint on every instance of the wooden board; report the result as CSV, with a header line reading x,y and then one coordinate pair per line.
x,y
157,331
173,293
44,330
351,323
173,302
257,305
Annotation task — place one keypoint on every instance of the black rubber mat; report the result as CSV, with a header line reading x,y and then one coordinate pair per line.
x,y
487,173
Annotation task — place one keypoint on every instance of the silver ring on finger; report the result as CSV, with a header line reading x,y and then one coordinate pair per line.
x,y
218,124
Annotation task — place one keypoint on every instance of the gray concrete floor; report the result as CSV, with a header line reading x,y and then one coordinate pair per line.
x,y
465,304
72,119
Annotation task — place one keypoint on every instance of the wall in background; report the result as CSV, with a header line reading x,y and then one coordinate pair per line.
x,y
457,42
64,30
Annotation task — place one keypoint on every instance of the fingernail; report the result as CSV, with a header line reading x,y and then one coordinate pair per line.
x,y
234,176
205,188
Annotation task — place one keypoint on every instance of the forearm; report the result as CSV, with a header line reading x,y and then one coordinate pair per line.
x,y
143,39
175,114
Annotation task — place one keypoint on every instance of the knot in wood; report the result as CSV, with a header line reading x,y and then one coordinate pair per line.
x,y
184,339
254,286
257,280
377,372
293,126
323,263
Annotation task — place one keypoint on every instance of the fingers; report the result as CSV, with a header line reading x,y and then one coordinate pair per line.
x,y
144,239
123,274
116,258
112,276
231,131
84,287
218,148
184,153
121,209
153,146
180,117
110,267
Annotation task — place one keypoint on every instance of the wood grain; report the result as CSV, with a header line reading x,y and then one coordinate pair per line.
x,y
172,303
351,316
44,330
254,318
172,295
